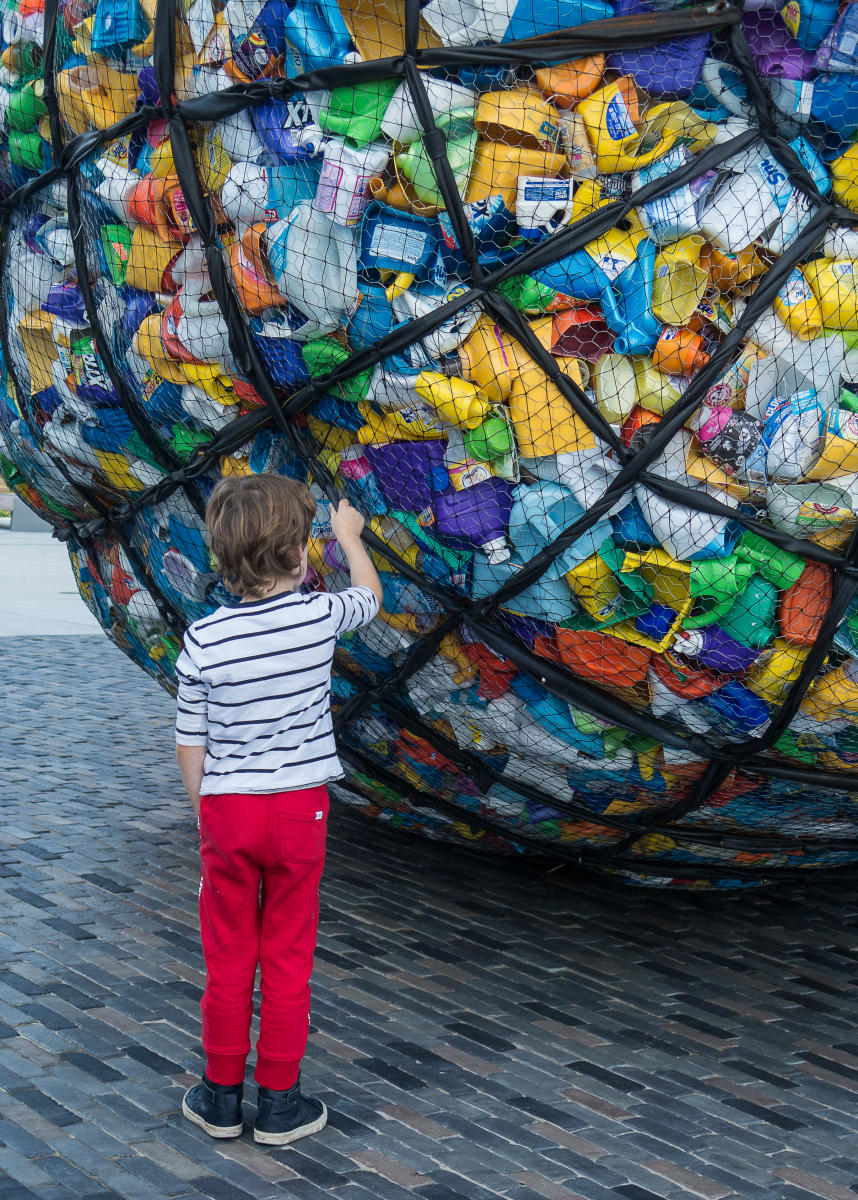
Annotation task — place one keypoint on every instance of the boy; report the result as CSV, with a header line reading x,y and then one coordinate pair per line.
x,y
256,748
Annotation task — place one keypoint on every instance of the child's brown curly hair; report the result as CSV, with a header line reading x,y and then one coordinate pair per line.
x,y
258,526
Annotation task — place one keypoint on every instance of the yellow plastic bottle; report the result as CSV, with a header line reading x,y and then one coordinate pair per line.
x,y
615,387
680,282
596,588
399,425
835,695
655,391
612,116
544,422
772,675
798,306
678,119
456,400
844,177
834,284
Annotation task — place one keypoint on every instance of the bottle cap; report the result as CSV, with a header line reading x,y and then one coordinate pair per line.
x,y
496,550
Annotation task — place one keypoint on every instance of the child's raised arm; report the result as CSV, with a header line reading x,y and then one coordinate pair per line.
x,y
347,524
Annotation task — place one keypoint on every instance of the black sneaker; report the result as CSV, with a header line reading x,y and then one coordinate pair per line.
x,y
283,1117
215,1107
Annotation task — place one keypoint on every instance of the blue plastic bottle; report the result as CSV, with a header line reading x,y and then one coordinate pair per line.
x,y
625,300
541,512
532,17
809,21
318,32
546,600
117,26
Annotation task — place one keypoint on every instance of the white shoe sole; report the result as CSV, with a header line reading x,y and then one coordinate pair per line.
x,y
215,1131
292,1135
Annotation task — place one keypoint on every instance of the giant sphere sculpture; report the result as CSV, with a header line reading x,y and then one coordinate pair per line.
x,y
563,295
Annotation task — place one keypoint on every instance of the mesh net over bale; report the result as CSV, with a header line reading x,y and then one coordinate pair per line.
x,y
562,296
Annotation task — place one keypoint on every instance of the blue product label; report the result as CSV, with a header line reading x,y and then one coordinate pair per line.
x,y
777,181
555,190
618,120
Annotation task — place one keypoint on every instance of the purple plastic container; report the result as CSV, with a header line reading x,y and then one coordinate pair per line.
x,y
773,48
405,472
666,69
473,516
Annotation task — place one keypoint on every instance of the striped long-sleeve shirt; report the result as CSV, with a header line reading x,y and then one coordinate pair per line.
x,y
255,689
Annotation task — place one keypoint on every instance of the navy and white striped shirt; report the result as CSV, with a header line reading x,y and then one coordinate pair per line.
x,y
255,689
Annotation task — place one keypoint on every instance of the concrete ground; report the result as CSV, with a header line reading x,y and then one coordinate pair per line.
x,y
480,1028
37,589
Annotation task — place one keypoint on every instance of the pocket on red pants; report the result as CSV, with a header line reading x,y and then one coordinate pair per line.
x,y
302,836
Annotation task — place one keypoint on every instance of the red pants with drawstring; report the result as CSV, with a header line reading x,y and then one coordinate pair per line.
x,y
262,857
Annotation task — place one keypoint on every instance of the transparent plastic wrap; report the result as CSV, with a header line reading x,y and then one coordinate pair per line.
x,y
563,296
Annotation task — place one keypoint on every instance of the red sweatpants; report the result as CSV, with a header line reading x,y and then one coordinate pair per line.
x,y
262,857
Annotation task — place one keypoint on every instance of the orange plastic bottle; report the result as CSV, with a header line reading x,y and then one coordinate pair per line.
x,y
679,351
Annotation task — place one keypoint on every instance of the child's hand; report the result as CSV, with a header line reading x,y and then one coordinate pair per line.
x,y
346,522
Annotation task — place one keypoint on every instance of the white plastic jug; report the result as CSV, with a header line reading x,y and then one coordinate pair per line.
x,y
314,260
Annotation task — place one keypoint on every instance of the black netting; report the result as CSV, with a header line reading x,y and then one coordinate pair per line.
x,y
562,295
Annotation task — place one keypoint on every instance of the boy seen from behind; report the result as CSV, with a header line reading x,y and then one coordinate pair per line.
x,y
256,750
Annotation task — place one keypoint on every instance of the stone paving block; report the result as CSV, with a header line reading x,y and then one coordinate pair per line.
x,y
516,1037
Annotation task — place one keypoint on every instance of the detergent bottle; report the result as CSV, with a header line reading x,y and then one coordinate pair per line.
x,y
803,606
492,442
356,113
476,517
615,387
360,482
679,352
316,29
415,164
618,271
543,420
835,694
793,434
838,451
684,532
612,116
680,282
456,400
841,241
776,565
656,392
837,50
540,513
586,473
810,509
834,287
401,246
463,470
542,205
809,21
581,332
776,670
564,84
818,363
797,306
400,121
750,619
343,191
314,261
674,215
714,648
596,589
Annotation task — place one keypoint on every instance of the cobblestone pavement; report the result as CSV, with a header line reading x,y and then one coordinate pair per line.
x,y
481,1028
